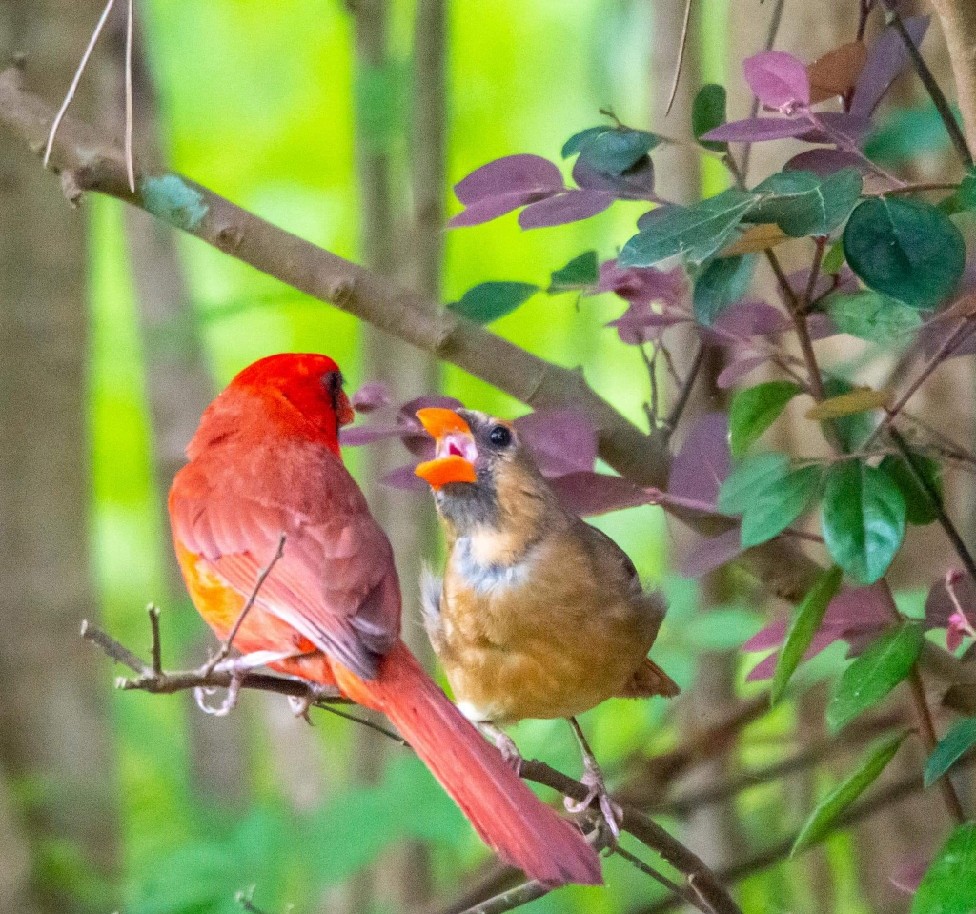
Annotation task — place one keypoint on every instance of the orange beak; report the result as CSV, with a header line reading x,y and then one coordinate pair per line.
x,y
456,449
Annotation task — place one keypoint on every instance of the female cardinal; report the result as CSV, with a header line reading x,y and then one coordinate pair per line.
x,y
265,513
539,615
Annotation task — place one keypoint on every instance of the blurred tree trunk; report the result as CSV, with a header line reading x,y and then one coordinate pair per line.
x,y
53,727
713,830
408,520
178,383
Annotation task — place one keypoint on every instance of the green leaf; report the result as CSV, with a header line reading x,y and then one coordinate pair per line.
x,y
612,150
572,145
721,283
801,203
707,113
833,261
918,506
754,409
768,495
873,316
959,740
948,886
905,248
695,232
853,429
870,677
491,300
863,519
906,134
805,625
580,273
874,762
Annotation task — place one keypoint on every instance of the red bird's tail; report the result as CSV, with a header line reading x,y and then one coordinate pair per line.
x,y
510,818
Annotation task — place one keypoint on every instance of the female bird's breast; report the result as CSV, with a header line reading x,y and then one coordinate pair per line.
x,y
533,637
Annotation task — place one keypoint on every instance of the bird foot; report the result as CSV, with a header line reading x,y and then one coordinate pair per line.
x,y
238,667
302,704
611,815
202,693
503,742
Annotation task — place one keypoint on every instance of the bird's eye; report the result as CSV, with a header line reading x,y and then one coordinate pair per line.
x,y
333,384
500,436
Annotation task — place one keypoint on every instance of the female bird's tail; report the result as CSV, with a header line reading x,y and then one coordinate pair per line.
x,y
510,818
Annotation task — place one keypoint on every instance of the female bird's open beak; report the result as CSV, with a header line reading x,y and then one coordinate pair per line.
x,y
456,450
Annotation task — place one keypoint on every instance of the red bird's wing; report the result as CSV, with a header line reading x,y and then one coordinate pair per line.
x,y
335,582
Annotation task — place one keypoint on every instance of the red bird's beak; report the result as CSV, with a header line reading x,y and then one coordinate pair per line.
x,y
345,413
456,451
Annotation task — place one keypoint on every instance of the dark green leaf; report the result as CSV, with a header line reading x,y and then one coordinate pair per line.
x,y
801,203
768,495
959,740
754,409
874,762
805,625
580,273
875,673
918,506
906,249
863,519
873,316
948,886
611,150
490,300
572,145
695,232
907,134
721,283
707,113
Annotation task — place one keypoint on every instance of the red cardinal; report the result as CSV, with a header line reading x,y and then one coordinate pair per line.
x,y
264,464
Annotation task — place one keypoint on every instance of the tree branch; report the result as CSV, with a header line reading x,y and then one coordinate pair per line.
x,y
959,27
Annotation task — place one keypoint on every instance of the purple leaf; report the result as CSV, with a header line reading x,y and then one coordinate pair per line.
x,y
738,368
636,183
908,874
493,207
748,317
838,127
359,435
821,326
570,206
778,80
522,174
824,162
709,553
561,441
588,494
405,479
887,57
767,638
704,460
939,607
640,323
643,285
767,667
935,333
373,395
759,129
415,439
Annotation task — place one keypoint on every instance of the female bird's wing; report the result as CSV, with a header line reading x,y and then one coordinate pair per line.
x,y
335,582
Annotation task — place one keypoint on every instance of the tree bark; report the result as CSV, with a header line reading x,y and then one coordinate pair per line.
x,y
53,724
959,25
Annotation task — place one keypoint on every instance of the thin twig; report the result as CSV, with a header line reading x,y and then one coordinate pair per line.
x,y
929,737
157,644
649,870
73,88
682,45
129,41
513,898
684,391
228,643
931,86
935,499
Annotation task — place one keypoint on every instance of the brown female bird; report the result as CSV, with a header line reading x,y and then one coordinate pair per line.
x,y
539,615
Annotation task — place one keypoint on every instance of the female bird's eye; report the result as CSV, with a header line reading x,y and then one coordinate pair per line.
x,y
500,436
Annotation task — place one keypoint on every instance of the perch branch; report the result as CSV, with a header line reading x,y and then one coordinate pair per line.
x,y
959,27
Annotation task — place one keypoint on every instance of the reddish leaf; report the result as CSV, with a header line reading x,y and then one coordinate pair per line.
x,y
570,206
492,207
779,80
588,494
636,183
939,608
358,435
836,125
703,462
405,479
643,285
708,553
371,396
759,130
561,441
836,72
887,57
824,162
748,317
738,368
640,323
521,173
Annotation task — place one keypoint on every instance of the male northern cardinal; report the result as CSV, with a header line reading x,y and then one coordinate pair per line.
x,y
265,477
539,615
